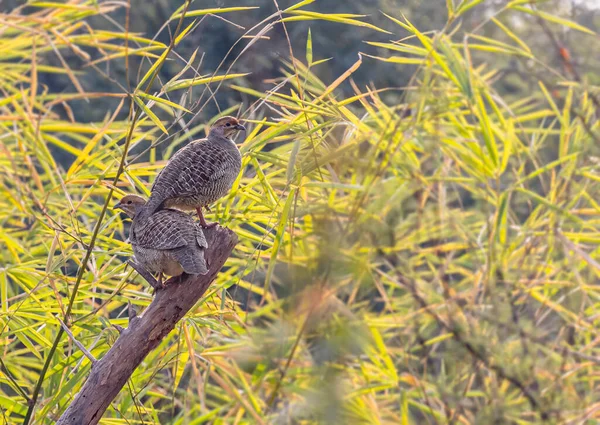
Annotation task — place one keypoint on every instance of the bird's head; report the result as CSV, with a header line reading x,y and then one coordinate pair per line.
x,y
226,127
131,204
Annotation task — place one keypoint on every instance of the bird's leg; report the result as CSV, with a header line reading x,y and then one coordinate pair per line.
x,y
175,279
161,284
203,222
144,273
201,216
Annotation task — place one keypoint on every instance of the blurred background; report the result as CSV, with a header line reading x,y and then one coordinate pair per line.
x,y
217,42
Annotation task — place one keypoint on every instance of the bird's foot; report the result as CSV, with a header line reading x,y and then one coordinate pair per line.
x,y
177,279
160,284
203,222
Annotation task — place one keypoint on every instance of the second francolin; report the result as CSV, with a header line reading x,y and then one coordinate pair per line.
x,y
168,242
200,173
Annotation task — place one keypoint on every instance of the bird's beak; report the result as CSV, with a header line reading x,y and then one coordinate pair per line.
x,y
116,207
240,127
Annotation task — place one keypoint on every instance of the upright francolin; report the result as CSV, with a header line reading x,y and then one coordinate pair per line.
x,y
200,173
168,242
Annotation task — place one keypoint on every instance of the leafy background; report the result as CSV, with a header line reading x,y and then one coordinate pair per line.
x,y
417,212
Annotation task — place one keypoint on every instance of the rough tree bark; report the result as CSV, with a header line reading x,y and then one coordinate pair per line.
x,y
144,333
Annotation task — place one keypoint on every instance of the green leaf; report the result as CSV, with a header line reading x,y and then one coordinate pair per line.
x,y
549,204
213,11
292,162
283,221
299,5
309,49
11,405
304,15
150,114
186,83
162,101
152,69
502,217
486,130
554,19
546,168
183,33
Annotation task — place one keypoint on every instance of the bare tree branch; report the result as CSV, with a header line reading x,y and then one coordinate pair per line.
x,y
77,343
109,374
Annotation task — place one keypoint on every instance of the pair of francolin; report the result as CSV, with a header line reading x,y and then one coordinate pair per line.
x,y
165,239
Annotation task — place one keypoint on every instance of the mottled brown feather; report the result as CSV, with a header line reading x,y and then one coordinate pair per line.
x,y
200,173
169,241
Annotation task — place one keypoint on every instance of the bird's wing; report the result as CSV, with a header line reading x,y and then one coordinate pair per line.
x,y
175,155
166,229
191,169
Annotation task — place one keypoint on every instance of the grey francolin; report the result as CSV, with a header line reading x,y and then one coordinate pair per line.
x,y
200,173
168,242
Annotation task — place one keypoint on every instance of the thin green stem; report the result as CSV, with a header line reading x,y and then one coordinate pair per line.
x,y
7,373
90,248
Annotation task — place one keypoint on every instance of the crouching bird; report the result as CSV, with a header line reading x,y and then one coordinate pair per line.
x,y
169,242
200,173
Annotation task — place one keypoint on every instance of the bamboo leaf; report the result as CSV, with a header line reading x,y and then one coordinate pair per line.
x,y
213,11
186,83
151,114
162,101
554,19
283,221
309,49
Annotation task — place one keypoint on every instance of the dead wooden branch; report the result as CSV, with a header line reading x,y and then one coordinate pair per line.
x,y
109,374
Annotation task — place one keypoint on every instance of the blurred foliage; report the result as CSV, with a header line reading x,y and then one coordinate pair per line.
x,y
217,44
418,255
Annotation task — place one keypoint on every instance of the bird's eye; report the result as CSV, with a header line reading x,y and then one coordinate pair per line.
x,y
228,124
129,202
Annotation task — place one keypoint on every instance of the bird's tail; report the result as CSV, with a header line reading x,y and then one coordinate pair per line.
x,y
192,260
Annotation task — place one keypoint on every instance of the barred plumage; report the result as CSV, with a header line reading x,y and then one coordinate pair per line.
x,y
168,242
200,173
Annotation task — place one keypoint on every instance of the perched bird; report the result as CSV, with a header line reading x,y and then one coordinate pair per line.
x,y
168,242
200,173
